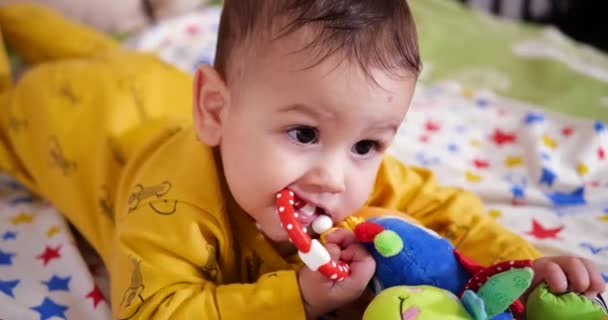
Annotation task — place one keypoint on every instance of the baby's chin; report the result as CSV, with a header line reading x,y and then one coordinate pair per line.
x,y
275,234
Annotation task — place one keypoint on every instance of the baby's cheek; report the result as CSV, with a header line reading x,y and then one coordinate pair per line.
x,y
358,200
363,186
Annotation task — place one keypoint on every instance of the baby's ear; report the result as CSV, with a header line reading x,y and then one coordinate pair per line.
x,y
211,102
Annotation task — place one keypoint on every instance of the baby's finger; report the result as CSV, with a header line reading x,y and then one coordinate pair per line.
x,y
576,273
342,237
596,282
362,264
334,251
555,277
356,253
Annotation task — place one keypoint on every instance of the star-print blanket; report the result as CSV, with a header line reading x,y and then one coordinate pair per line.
x,y
43,270
544,176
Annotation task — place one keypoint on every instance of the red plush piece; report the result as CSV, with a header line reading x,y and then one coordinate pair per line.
x,y
367,231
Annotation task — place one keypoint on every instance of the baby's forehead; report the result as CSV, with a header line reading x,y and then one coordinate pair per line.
x,y
293,56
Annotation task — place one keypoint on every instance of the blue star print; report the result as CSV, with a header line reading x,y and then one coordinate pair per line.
x,y
56,283
545,156
6,258
575,198
594,249
9,235
533,117
453,148
482,103
460,129
605,276
48,309
517,192
547,177
7,287
599,126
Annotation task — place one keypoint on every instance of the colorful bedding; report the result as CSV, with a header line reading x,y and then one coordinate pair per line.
x,y
541,173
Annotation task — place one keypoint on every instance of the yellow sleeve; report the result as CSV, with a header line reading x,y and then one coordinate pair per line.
x,y
41,34
5,66
173,261
452,212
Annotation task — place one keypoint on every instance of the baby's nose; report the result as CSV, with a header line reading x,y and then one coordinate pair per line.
x,y
326,178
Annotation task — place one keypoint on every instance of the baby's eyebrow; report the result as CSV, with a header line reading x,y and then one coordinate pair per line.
x,y
385,126
312,111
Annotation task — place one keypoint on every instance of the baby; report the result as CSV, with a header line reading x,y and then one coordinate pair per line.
x,y
306,95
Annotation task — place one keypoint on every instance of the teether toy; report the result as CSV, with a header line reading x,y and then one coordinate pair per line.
x,y
311,251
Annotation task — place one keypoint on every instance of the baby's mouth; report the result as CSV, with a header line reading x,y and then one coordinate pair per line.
x,y
306,213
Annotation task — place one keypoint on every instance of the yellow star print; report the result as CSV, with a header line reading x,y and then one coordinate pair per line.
x,y
549,142
53,231
471,177
604,218
475,143
513,161
582,169
22,218
467,93
494,213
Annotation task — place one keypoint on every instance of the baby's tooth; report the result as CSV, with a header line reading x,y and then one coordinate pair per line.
x,y
308,209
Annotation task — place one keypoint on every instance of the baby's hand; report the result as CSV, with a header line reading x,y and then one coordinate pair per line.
x,y
322,295
568,273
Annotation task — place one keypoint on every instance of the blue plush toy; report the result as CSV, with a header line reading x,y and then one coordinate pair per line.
x,y
407,254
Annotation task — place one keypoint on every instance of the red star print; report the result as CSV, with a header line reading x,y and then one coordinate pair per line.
x,y
49,254
500,137
481,164
517,202
540,232
432,126
424,139
567,131
192,30
601,153
96,296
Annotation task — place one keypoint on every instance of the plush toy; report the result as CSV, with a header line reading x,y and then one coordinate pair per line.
x,y
419,302
420,275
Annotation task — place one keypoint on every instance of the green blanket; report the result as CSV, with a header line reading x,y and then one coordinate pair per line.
x,y
525,62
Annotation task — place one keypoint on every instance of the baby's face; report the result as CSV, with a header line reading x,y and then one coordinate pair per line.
x,y
320,132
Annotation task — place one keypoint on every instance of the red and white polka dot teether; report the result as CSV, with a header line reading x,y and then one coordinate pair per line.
x,y
311,251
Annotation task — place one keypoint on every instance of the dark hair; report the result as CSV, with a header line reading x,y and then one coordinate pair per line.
x,y
371,33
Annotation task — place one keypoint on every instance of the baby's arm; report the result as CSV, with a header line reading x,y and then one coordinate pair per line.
x,y
175,266
452,212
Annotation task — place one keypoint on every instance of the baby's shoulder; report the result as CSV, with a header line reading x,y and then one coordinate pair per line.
x,y
173,170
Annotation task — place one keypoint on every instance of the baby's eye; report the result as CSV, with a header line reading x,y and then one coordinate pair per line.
x,y
304,135
365,147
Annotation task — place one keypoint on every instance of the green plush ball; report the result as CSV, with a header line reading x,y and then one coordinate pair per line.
x,y
388,243
542,304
